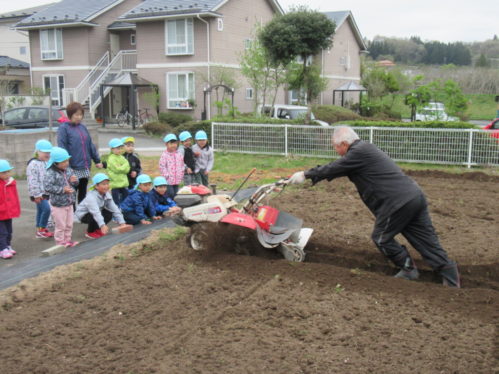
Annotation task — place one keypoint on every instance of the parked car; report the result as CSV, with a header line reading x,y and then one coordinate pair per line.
x,y
281,111
494,128
434,112
32,117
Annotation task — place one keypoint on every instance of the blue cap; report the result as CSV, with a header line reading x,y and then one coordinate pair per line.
x,y
142,178
43,145
160,181
184,135
128,139
5,166
99,177
57,155
169,137
201,135
115,143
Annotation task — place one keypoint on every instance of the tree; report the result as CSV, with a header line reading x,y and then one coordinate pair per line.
x,y
300,33
225,76
482,62
264,76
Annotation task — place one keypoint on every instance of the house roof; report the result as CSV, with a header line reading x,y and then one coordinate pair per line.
x,y
157,9
351,86
23,13
130,79
121,26
68,13
9,62
340,17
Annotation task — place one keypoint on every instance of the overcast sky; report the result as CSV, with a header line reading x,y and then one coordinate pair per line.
x,y
442,20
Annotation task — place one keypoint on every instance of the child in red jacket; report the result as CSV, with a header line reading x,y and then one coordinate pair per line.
x,y
9,208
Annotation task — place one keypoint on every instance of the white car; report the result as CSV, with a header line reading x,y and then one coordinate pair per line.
x,y
281,111
434,112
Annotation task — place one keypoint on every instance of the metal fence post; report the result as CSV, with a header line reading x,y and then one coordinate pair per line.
x,y
286,140
213,135
470,148
371,137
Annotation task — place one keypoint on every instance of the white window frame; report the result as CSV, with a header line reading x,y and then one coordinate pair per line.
x,y
51,54
188,32
249,93
57,100
220,24
248,43
133,39
182,103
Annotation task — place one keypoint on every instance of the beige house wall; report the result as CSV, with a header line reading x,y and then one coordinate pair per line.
x,y
125,40
11,41
344,45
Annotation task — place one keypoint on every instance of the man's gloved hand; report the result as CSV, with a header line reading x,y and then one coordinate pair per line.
x,y
297,178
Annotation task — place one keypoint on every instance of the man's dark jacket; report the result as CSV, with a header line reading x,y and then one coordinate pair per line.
x,y
381,184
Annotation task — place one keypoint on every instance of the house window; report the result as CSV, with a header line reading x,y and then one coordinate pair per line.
x,y
22,50
220,24
249,93
56,84
180,90
51,44
180,37
345,62
310,59
247,43
298,97
132,39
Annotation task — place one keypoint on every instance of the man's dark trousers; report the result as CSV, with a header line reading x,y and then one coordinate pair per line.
x,y
414,223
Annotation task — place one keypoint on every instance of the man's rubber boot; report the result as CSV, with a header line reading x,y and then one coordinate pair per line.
x,y
450,276
408,271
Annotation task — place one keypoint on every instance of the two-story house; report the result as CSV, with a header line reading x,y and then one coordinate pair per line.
x,y
77,46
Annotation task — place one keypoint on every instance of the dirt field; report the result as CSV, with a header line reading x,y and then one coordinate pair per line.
x,y
159,307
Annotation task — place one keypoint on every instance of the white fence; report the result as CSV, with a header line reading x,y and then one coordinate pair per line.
x,y
436,146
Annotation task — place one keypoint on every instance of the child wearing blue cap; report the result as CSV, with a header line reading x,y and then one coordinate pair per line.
x,y
185,150
98,208
118,168
204,157
162,203
9,208
171,165
35,173
60,183
138,206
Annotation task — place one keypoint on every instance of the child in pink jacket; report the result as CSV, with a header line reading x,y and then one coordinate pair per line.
x,y
171,165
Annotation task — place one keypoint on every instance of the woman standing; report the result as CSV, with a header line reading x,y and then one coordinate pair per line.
x,y
74,137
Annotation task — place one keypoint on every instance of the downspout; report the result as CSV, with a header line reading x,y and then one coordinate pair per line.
x,y
208,114
322,74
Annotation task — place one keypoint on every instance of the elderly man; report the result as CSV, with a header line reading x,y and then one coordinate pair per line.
x,y
396,201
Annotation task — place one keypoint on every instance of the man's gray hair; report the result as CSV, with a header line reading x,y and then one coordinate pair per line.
x,y
344,134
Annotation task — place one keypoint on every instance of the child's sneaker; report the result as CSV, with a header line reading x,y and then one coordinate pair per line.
x,y
11,250
71,244
48,233
5,254
93,235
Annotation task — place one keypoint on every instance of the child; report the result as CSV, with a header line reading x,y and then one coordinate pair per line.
x,y
189,161
138,206
60,182
35,172
98,208
204,158
171,165
9,208
118,168
162,203
133,160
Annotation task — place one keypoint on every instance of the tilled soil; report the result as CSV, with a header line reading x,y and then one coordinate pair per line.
x,y
159,307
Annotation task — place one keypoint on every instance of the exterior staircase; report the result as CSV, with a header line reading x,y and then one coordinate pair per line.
x,y
105,70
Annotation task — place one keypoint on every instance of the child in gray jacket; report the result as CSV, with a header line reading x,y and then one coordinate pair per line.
x,y
204,158
98,208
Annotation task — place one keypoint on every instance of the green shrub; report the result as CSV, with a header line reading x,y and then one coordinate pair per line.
x,y
173,119
334,113
157,128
